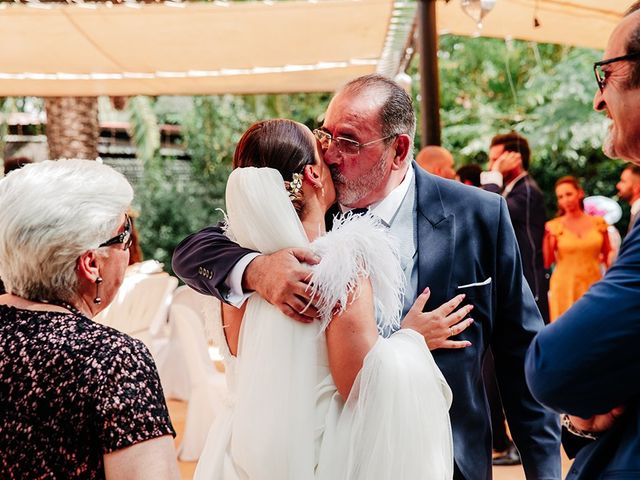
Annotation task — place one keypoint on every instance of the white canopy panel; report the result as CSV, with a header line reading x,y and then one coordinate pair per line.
x,y
249,47
581,23
196,48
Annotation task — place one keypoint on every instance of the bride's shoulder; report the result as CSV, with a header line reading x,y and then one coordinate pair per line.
x,y
350,231
357,247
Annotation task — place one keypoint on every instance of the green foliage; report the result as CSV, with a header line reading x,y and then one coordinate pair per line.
x,y
145,133
211,129
170,210
214,126
174,204
542,91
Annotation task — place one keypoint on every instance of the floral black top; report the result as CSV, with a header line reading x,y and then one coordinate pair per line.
x,y
72,390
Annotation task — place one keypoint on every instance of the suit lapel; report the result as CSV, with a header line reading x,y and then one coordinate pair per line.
x,y
436,240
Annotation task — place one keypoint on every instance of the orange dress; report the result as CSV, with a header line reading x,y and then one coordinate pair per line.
x,y
577,263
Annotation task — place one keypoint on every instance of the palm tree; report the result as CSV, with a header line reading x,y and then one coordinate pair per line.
x,y
72,127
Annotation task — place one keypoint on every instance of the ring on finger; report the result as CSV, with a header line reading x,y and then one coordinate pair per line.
x,y
451,332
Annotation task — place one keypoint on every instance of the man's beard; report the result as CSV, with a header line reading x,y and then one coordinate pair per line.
x,y
626,196
349,192
607,146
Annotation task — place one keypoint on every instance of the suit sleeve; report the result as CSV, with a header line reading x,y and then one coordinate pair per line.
x,y
587,361
204,259
535,430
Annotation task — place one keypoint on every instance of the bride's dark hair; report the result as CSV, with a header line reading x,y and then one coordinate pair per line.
x,y
279,143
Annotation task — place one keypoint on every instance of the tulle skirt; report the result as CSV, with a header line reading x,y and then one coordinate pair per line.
x,y
394,425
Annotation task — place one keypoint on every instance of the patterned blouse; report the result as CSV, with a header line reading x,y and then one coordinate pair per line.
x,y
72,390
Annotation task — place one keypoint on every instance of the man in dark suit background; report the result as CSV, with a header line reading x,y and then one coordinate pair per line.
x,y
508,175
454,239
629,190
587,363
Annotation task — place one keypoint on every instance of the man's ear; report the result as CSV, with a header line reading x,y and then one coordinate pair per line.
x,y
311,176
402,146
87,266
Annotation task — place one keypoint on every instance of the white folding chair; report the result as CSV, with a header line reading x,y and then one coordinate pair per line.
x,y
171,361
207,307
208,389
141,311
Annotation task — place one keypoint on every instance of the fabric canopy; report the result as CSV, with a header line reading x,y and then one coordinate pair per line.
x,y
249,47
581,23
197,48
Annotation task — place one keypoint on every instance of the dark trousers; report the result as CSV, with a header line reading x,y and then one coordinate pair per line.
x,y
500,437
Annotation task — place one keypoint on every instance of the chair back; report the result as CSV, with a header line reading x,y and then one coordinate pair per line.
x,y
206,307
144,306
187,328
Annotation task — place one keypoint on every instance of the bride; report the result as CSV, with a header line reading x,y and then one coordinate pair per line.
x,y
329,400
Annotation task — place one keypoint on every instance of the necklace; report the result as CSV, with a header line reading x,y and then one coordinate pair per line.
x,y
64,304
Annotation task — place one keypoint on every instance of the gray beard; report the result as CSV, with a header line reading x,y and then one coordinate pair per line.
x,y
607,146
349,192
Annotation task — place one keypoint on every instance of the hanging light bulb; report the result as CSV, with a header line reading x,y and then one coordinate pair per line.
x,y
477,9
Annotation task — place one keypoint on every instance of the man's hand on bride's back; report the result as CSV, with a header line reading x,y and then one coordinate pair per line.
x,y
439,325
281,279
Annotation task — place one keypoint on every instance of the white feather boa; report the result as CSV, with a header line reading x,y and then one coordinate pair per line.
x,y
359,246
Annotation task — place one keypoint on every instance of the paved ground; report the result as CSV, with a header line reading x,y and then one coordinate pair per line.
x,y
178,411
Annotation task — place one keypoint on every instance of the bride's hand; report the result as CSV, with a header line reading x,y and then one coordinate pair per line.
x,y
440,324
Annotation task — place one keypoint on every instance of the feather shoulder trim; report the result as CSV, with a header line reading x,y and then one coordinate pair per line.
x,y
358,246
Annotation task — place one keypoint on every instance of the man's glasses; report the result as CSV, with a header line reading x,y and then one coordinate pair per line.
x,y
601,75
125,237
344,145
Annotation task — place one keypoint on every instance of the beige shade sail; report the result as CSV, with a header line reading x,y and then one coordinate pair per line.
x,y
249,47
197,48
581,23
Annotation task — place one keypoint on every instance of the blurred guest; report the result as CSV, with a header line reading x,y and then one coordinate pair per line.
x,y
577,243
13,163
509,157
469,174
629,190
437,160
586,364
78,399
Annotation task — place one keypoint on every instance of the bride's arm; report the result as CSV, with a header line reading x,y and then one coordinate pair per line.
x,y
231,323
350,336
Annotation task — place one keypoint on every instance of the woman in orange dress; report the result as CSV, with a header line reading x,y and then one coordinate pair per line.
x,y
578,245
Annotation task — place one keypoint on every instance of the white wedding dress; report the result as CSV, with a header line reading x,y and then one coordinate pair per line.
x,y
285,419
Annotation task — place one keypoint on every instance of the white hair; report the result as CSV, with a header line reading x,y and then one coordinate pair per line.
x,y
51,213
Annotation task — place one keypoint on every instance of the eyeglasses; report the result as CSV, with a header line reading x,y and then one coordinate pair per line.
x,y
125,237
601,75
344,145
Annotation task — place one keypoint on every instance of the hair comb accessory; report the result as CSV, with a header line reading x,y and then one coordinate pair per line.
x,y
295,185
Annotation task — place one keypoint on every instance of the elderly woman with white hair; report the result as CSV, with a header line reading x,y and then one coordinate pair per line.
x,y
77,399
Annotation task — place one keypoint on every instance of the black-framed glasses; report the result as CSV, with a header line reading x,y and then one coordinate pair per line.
x,y
124,237
344,145
601,75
